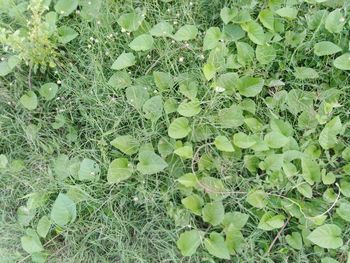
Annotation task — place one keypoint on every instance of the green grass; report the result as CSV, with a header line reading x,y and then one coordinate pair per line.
x,y
141,219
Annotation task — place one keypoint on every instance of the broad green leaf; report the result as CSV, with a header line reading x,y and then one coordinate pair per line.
x,y
275,140
216,246
153,108
249,86
245,53
63,210
305,189
335,21
66,7
170,106
66,34
189,88
257,198
305,73
120,80
130,21
188,180
25,215
295,240
325,48
299,100
137,96
188,242
3,161
43,226
287,12
150,163
327,236
227,82
212,38
243,140
124,60
194,203
127,144
265,54
269,221
179,128
328,136
89,170
255,32
342,62
31,243
344,211
213,213
273,162
230,117
345,154
222,143
209,71
267,18
119,170
29,100
234,240
164,80
142,43
329,260
185,152
162,29
48,91
186,32
233,32
227,14
4,68
236,220
189,109
311,170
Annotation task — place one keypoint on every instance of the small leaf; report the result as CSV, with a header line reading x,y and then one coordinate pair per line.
x,y
249,86
164,80
63,210
328,136
4,68
305,189
275,140
185,152
31,243
344,211
43,226
305,73
227,14
295,240
48,91
257,198
255,32
127,144
243,140
211,38
3,161
188,180
311,170
269,221
216,246
29,100
287,12
186,32
125,60
342,62
194,203
245,53
179,128
236,220
189,109
137,96
188,242
142,43
119,170
150,163
325,48
66,34
120,80
327,236
209,71
162,29
153,108
213,213
335,21
130,21
89,170
223,144
66,7
265,54
267,18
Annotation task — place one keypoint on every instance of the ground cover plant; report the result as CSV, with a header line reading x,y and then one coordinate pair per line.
x,y
174,131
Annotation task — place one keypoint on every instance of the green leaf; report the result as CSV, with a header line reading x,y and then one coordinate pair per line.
x,y
188,180
48,91
4,68
344,211
327,236
269,221
265,54
273,162
127,144
142,43
212,38
342,62
257,198
89,170
185,152
325,48
186,32
150,163
120,80
164,80
249,86
295,240
287,12
236,220
305,189
188,242
137,96
31,243
194,203
335,21
209,71
216,246
311,170
213,213
227,14
162,29
299,100
245,53
230,117
66,34
305,73
243,140
189,109
330,260
275,140
130,21
66,7
43,226
328,136
223,144
267,18
153,108
63,210
3,161
179,128
124,60
25,215
119,170
255,32
29,100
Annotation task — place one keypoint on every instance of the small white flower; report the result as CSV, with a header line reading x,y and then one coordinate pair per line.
x,y
129,72
131,100
143,15
189,226
91,38
187,45
128,33
99,22
107,53
92,173
77,12
59,82
191,3
9,102
168,10
201,56
89,3
89,46
145,88
123,30
136,199
155,91
62,12
342,19
110,35
219,89
175,23
148,56
178,15
96,40
58,98
173,41
181,59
